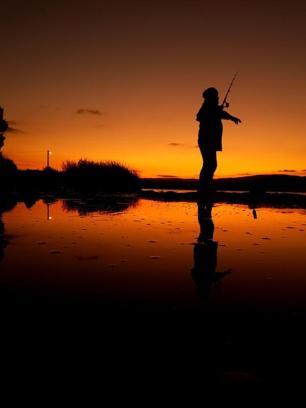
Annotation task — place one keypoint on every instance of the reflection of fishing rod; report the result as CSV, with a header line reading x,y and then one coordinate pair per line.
x,y
225,104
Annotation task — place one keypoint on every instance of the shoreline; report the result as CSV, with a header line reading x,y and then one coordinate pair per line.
x,y
100,198
281,200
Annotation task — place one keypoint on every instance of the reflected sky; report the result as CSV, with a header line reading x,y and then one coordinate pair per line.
x,y
171,255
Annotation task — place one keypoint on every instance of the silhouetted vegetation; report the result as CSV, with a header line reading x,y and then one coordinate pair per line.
x,y
105,176
7,167
39,180
82,176
88,180
8,172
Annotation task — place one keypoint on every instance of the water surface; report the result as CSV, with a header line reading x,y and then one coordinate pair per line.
x,y
157,255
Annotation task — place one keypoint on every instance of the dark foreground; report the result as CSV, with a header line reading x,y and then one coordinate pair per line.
x,y
160,352
140,337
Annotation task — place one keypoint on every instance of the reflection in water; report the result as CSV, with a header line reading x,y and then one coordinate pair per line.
x,y
84,206
29,199
144,252
102,268
101,205
48,201
206,252
252,206
49,216
94,204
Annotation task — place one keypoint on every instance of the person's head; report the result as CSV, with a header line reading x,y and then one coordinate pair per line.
x,y
211,95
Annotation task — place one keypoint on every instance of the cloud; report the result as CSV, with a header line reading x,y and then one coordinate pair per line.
x,y
83,111
287,171
14,130
166,176
48,108
174,144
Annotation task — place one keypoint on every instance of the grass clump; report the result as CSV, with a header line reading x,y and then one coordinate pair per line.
x,y
7,167
104,176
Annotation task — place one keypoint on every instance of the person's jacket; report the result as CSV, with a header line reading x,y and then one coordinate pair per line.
x,y
210,131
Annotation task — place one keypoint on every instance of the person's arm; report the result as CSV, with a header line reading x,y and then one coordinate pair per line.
x,y
227,116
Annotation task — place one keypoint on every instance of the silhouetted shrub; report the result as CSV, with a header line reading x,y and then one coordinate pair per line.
x,y
104,176
50,171
43,180
8,168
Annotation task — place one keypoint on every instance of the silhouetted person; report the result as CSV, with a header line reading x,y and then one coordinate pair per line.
x,y
210,117
205,252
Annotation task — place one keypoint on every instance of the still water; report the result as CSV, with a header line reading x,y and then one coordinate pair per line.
x,y
157,255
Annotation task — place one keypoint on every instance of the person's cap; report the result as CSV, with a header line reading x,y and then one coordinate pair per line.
x,y
210,92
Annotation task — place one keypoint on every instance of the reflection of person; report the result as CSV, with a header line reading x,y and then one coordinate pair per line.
x,y
210,117
205,252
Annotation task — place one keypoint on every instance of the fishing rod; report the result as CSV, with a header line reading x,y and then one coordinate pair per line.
x,y
225,104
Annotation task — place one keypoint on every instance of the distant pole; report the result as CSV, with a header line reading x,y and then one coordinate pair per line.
x,y
48,158
49,218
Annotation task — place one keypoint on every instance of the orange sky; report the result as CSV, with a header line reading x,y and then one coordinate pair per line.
x,y
136,70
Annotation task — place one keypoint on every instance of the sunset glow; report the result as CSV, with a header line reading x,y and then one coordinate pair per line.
x,y
124,82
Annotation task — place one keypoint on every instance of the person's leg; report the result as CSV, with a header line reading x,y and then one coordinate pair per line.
x,y
202,172
209,167
212,164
